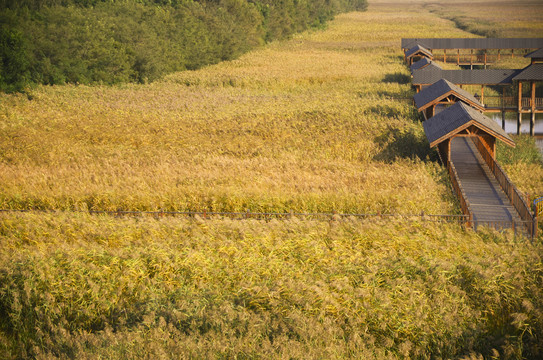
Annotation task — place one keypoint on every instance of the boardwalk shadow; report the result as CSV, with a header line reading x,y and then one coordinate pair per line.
x,y
397,143
397,78
382,110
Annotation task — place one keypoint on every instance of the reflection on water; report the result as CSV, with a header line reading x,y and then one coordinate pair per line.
x,y
511,122
539,143
511,125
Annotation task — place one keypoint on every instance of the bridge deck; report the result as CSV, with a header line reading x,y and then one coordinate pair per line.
x,y
488,202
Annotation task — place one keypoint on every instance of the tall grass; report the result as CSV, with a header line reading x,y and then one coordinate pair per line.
x,y
81,286
302,125
490,18
309,124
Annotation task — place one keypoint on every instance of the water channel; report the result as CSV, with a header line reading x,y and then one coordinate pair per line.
x,y
511,125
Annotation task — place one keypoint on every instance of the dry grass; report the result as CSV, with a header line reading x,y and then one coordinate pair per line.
x,y
299,125
491,18
309,124
82,286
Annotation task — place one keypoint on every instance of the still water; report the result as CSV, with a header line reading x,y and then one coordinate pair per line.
x,y
511,125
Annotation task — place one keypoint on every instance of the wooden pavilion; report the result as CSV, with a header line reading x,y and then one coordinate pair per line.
x,y
416,53
533,75
536,56
473,51
461,120
442,94
426,64
507,81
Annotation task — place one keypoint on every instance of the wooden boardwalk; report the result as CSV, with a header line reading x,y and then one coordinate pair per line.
x,y
488,203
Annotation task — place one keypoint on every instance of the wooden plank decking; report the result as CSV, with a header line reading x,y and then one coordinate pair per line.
x,y
487,201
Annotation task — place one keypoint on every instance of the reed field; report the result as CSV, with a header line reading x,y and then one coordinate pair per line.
x,y
86,286
321,122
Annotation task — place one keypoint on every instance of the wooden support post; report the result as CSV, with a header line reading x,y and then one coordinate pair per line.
x,y
445,56
482,94
532,103
485,57
503,120
458,58
532,124
471,59
499,54
512,53
449,150
519,106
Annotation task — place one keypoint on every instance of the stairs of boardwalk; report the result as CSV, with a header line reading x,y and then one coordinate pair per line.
x,y
487,201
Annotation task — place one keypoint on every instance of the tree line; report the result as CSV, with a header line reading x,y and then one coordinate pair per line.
x,y
115,41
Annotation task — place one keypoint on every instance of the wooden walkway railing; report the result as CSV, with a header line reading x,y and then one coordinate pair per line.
x,y
464,204
517,200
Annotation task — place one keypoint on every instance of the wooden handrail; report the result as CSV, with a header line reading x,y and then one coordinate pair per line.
x,y
514,195
464,204
511,102
500,102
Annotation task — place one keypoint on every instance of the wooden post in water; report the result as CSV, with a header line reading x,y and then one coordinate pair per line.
x,y
532,103
519,106
503,120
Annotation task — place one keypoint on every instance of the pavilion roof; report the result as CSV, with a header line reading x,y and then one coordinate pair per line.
x,y
533,72
466,77
418,49
473,43
458,117
442,89
425,63
535,54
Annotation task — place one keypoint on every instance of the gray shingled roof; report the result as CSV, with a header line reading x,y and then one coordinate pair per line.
x,y
532,72
535,54
441,89
457,117
416,49
424,63
474,43
480,76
